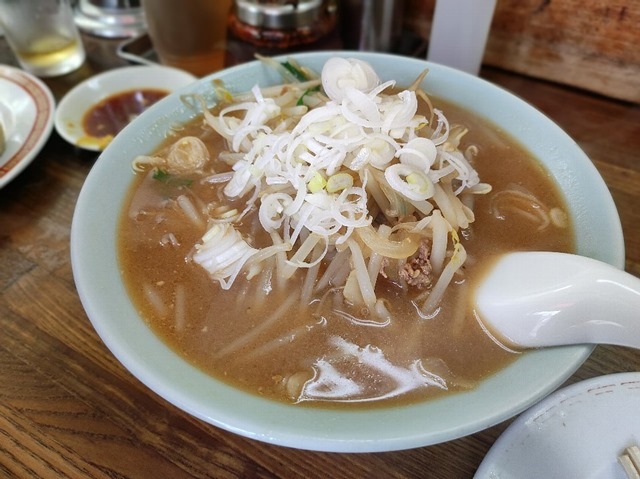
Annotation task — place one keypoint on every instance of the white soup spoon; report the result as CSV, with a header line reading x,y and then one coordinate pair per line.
x,y
538,299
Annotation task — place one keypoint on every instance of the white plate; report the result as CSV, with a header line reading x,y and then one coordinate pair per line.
x,y
26,112
579,431
84,96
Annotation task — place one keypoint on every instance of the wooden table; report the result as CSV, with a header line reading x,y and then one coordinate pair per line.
x,y
69,409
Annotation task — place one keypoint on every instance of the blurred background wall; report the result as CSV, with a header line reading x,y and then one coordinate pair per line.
x,y
590,44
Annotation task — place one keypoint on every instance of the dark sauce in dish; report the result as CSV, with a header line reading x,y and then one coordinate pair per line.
x,y
113,113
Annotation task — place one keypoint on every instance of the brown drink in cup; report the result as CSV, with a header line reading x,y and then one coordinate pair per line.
x,y
190,35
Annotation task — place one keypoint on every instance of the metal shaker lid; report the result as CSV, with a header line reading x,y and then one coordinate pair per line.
x,y
281,14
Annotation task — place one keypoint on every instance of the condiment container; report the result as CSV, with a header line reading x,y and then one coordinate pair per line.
x,y
276,27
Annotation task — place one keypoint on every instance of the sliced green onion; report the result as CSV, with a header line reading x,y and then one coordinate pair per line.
x,y
339,182
409,182
295,71
168,179
316,183
305,93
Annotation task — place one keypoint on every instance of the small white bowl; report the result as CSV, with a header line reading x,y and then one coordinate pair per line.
x,y
79,100
26,116
534,375
579,431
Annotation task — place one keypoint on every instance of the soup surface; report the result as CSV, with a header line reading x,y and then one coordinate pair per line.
x,y
263,336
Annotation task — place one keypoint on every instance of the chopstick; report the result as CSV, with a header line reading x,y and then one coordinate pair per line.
x,y
630,461
3,140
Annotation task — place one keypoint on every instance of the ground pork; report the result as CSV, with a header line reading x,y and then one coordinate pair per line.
x,y
417,270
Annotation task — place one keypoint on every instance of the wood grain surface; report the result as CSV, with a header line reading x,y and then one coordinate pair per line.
x,y
69,409
589,44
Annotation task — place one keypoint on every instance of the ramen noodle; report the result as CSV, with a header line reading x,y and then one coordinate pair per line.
x,y
316,242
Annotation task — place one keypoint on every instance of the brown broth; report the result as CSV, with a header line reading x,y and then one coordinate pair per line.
x,y
452,344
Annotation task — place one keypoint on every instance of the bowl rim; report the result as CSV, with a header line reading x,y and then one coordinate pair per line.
x,y
370,430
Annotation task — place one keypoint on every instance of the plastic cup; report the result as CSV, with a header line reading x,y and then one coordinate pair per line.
x,y
189,35
43,36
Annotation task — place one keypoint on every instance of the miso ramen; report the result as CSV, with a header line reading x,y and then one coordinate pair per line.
x,y
316,242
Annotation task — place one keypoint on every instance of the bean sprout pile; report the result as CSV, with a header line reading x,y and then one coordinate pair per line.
x,y
347,179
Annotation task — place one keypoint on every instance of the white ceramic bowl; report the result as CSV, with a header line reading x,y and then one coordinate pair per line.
x,y
500,397
26,114
578,431
82,97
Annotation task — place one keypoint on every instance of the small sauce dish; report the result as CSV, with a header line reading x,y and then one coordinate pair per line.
x,y
94,111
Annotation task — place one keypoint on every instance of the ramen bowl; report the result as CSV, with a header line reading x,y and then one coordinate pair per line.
x,y
501,396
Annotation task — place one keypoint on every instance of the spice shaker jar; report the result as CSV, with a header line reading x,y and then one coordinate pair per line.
x,y
280,26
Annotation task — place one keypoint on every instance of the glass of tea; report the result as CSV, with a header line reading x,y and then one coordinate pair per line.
x,y
42,35
189,35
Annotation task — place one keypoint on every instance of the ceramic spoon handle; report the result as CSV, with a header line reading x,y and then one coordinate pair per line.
x,y
536,299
